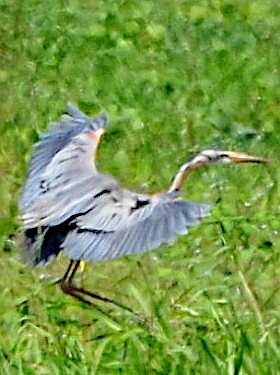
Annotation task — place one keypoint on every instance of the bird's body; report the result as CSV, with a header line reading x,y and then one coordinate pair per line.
x,y
67,204
88,213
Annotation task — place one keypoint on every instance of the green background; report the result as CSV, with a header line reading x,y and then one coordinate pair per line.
x,y
175,77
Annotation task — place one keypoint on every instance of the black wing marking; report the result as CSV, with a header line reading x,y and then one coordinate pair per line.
x,y
115,231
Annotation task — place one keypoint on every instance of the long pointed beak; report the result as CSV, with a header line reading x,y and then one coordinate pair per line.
x,y
237,157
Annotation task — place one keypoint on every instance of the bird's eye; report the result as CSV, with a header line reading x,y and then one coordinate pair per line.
x,y
208,156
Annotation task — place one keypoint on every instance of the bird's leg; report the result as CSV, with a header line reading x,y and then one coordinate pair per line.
x,y
68,287
68,270
66,283
73,271
72,268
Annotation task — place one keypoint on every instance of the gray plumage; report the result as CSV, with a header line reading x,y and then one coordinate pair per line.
x,y
122,232
67,204
59,135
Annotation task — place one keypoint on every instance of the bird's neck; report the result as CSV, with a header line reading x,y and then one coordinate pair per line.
x,y
180,177
197,162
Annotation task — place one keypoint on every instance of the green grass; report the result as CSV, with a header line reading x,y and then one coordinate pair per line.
x,y
175,77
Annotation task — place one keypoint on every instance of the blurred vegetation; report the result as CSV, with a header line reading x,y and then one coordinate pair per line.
x,y
175,77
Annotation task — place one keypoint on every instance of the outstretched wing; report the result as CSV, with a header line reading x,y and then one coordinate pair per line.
x,y
68,185
125,223
60,134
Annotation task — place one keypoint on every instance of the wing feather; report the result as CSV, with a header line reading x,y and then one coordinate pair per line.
x,y
59,135
161,222
68,188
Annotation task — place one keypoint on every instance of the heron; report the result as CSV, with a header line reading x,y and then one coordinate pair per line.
x,y
67,204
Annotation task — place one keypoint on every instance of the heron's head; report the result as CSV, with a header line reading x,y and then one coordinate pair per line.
x,y
224,157
208,157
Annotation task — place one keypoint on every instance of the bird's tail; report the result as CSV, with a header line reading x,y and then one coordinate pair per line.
x,y
41,245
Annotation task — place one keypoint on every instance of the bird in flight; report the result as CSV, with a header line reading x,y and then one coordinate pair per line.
x,y
67,204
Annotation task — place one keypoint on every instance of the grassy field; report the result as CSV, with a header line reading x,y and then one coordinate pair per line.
x,y
175,78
